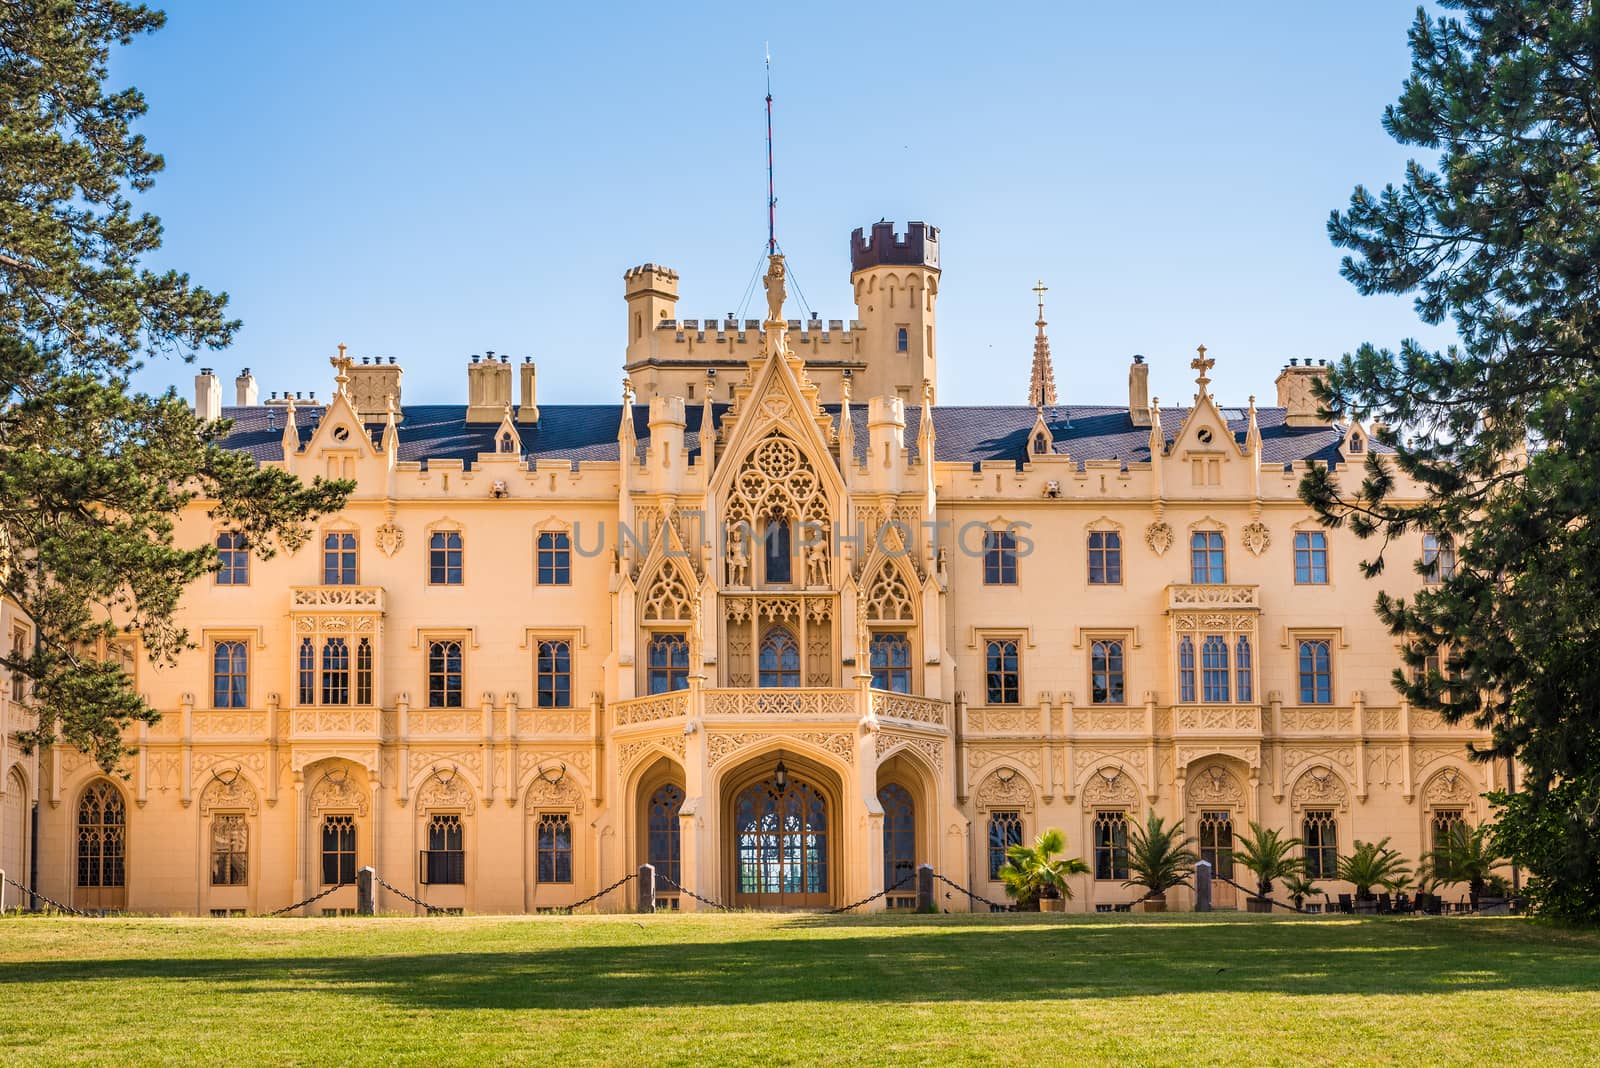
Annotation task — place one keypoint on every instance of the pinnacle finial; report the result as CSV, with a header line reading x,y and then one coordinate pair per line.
x,y
341,363
1042,385
1201,363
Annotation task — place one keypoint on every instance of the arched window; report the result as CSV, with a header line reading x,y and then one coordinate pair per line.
x,y
102,836
668,657
335,672
891,662
230,675
445,674
1242,668
663,850
1186,669
780,658
899,838
1038,444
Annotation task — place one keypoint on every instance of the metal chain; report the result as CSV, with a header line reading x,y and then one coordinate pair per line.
x,y
874,897
309,900
395,890
976,897
58,906
1252,893
670,881
595,897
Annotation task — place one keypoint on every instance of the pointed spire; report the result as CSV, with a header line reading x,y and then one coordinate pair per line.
x,y
291,431
625,435
925,434
391,435
708,428
1042,387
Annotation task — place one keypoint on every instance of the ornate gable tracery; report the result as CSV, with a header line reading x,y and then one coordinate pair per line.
x,y
670,595
889,598
1320,787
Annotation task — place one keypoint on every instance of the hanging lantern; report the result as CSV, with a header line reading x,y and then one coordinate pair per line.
x,y
780,776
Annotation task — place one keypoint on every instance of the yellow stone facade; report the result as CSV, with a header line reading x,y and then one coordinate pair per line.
x,y
544,644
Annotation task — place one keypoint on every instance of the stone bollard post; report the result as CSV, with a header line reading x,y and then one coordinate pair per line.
x,y
1202,886
366,892
647,888
925,888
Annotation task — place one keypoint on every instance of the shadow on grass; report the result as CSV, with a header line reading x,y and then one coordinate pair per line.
x,y
1018,960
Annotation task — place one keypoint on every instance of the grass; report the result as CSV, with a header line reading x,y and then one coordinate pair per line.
x,y
799,989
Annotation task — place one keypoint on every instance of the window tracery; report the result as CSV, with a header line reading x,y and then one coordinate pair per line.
x,y
777,483
669,595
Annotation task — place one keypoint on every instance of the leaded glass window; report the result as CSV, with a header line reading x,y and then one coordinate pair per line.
x,y
553,848
1005,831
230,849
555,674
1442,822
1111,845
1316,672
445,861
664,849
445,674
338,849
335,671
1002,672
1244,669
1106,678
102,835
1186,688
891,661
1320,833
668,656
779,658
230,675
899,840
1214,669
308,671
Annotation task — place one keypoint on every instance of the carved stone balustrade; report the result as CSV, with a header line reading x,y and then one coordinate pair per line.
x,y
1202,596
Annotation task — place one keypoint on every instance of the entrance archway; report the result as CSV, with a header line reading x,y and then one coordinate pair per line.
x,y
783,835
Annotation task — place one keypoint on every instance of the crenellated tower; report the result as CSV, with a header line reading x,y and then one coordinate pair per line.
x,y
896,284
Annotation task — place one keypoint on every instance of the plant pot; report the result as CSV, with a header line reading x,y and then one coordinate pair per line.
x,y
1368,905
1257,904
1155,903
1052,904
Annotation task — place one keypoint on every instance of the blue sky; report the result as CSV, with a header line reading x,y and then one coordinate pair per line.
x,y
430,180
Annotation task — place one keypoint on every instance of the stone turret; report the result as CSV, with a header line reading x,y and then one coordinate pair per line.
x,y
652,295
896,283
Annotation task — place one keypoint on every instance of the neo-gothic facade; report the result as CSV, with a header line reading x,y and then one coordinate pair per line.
x,y
544,644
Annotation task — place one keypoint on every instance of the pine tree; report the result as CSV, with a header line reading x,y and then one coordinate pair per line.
x,y
1501,238
93,474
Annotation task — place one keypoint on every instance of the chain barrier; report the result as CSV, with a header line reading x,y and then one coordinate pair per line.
x,y
867,900
570,909
58,906
680,888
396,891
994,905
309,900
1253,894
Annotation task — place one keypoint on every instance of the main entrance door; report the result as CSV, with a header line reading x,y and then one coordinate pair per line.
x,y
780,846
1216,847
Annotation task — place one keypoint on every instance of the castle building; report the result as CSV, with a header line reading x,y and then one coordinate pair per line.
x,y
779,624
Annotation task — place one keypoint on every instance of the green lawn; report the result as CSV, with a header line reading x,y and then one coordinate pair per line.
x,y
797,989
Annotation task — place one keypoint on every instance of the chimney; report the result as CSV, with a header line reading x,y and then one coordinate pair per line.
x,y
245,385
488,389
207,396
529,411
1294,392
372,382
1139,392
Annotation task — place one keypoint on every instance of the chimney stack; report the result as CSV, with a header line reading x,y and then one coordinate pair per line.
x,y
207,396
528,412
245,386
488,389
1139,392
1295,394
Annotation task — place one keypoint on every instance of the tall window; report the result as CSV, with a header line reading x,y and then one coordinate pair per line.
x,y
1105,558
555,558
665,847
1443,821
102,836
1438,558
554,848
1311,558
1002,674
899,838
1243,669
230,675
1214,669
1111,845
364,671
1321,836
339,559
445,861
891,661
668,663
1005,831
19,649
338,849
233,559
444,674
555,674
444,558
779,658
1106,680
230,849
1186,669
999,558
1207,564
335,672
1316,672
777,552
308,672
901,339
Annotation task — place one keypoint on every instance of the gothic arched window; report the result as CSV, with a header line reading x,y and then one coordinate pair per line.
x,y
780,658
777,552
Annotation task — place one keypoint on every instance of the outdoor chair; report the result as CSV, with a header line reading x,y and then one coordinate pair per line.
x,y
1384,904
1345,904
1402,902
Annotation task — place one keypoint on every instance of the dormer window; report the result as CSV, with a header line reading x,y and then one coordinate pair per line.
x,y
507,444
1039,445
1356,444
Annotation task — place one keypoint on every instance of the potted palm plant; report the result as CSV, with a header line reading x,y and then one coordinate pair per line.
x,y
1467,855
1266,853
1298,887
1159,859
1037,873
1373,864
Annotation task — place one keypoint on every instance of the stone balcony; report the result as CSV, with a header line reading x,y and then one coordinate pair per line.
x,y
811,704
1192,596
304,599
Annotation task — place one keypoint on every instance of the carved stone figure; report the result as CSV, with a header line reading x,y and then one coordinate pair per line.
x,y
738,558
776,292
816,564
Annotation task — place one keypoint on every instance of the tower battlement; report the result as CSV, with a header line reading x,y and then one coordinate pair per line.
x,y
918,248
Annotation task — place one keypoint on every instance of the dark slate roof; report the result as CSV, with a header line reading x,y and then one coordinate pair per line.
x,y
965,434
